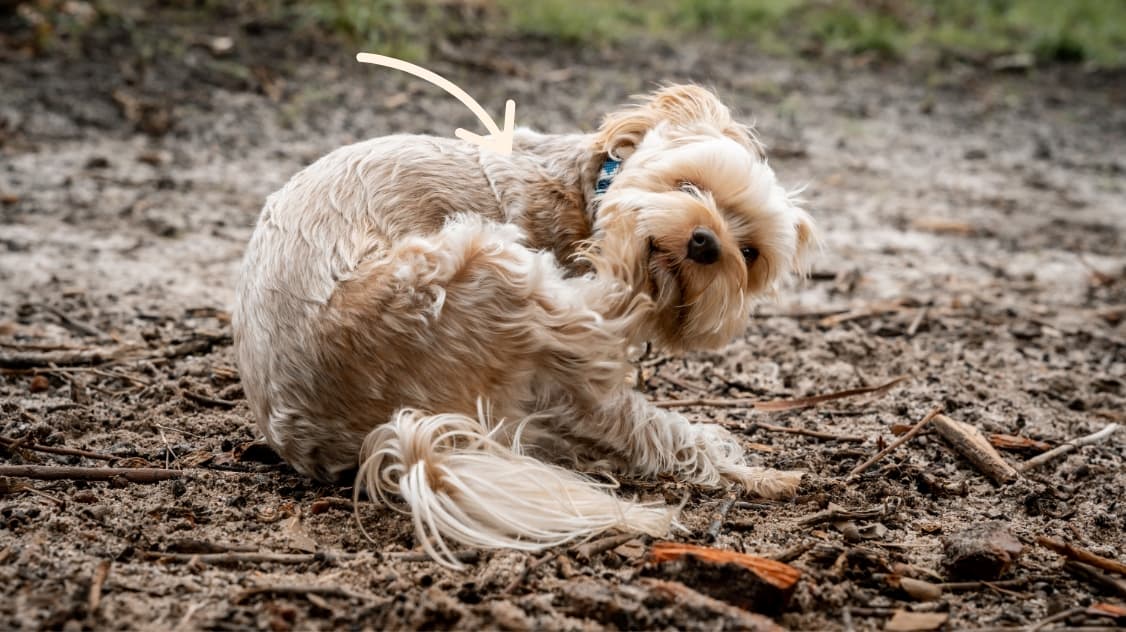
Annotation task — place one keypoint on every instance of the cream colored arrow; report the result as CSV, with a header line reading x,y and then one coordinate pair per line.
x,y
498,140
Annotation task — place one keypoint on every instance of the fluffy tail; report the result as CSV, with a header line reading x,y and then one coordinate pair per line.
x,y
459,482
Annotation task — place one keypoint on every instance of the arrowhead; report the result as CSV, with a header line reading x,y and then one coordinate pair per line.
x,y
500,142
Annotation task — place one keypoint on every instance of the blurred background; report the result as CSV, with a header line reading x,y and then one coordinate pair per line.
x,y
962,158
1004,32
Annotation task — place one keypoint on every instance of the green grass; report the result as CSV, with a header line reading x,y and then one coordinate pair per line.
x,y
1048,30
1045,31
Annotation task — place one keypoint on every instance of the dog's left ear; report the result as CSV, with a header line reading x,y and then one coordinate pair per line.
x,y
677,106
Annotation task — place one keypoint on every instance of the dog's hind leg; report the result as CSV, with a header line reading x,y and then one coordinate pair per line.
x,y
440,322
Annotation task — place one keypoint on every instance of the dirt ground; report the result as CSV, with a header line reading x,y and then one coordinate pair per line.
x,y
975,229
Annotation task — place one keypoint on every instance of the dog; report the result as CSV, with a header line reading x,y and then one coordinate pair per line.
x,y
455,325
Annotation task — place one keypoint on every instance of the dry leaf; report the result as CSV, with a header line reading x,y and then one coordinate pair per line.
x,y
1010,442
298,538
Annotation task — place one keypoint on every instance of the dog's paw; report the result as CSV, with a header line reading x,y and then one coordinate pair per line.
x,y
765,482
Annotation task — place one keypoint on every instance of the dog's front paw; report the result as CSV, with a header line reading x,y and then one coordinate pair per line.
x,y
765,482
722,459
724,456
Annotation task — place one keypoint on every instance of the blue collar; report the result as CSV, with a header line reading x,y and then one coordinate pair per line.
x,y
610,168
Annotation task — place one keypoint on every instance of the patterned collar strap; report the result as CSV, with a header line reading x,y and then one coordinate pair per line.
x,y
610,168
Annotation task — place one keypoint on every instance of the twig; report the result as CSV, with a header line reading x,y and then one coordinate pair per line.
x,y
169,453
528,568
794,552
778,405
465,557
815,314
808,433
73,324
594,547
94,599
72,473
48,359
1059,616
744,402
835,513
41,346
16,444
721,517
907,436
1073,552
978,585
1065,448
301,589
256,557
184,620
682,384
919,318
1095,576
204,399
875,309
7,486
971,444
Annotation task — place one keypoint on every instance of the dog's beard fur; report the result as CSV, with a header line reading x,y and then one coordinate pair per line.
x,y
690,166
366,314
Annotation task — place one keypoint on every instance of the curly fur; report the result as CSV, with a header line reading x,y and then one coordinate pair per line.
x,y
395,284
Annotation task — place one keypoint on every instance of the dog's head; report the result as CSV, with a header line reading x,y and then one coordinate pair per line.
x,y
694,217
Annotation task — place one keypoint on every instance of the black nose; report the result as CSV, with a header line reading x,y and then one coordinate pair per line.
x,y
703,247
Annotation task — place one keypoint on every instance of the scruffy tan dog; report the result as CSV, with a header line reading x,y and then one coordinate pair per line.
x,y
456,322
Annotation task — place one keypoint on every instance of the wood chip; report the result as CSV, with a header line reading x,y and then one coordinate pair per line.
x,y
982,551
919,589
1010,442
747,581
904,621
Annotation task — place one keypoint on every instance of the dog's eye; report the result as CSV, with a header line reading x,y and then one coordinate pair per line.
x,y
690,189
750,253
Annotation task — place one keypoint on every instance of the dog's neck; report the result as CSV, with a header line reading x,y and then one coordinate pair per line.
x,y
547,186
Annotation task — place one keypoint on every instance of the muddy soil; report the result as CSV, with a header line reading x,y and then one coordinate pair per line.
x,y
975,241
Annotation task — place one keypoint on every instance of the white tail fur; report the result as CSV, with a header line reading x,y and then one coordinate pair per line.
x,y
458,481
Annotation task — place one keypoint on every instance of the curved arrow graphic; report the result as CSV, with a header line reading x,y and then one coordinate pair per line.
x,y
498,140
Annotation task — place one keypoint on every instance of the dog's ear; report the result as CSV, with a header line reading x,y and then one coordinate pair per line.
x,y
674,105
808,243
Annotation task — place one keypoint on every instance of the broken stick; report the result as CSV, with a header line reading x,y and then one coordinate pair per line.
x,y
302,590
968,441
1073,552
97,582
778,405
1093,575
859,469
49,359
53,473
1070,446
817,434
14,444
